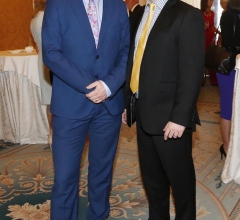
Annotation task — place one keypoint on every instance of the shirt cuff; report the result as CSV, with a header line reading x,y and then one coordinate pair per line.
x,y
106,88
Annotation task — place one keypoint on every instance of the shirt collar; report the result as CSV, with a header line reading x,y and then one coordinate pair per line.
x,y
159,3
87,1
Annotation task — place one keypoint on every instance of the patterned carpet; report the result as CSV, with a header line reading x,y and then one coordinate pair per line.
x,y
26,178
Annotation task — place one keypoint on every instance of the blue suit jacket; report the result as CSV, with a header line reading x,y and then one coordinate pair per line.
x,y
69,51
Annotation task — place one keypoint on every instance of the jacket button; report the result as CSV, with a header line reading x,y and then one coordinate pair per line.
x,y
97,57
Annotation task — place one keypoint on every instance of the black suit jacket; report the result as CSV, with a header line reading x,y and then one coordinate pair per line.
x,y
172,68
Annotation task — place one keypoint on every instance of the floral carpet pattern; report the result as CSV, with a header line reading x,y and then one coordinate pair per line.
x,y
26,178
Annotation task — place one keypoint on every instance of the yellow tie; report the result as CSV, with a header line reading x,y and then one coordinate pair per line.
x,y
140,50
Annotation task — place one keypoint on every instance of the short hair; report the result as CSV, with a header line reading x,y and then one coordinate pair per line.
x,y
234,5
204,5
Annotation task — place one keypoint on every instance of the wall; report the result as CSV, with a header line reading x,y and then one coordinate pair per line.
x,y
15,18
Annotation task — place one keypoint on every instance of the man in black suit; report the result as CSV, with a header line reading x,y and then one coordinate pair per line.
x,y
170,77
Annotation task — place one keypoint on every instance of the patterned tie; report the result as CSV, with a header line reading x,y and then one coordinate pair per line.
x,y
93,19
140,50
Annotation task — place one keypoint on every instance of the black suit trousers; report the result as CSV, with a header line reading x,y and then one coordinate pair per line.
x,y
167,165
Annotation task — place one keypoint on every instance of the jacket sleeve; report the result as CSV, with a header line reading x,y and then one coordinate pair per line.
x,y
191,46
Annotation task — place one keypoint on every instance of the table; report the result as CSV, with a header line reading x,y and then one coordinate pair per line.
x,y
22,117
231,170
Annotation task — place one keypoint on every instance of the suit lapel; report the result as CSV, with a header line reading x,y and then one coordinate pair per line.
x,y
81,14
156,27
106,18
160,21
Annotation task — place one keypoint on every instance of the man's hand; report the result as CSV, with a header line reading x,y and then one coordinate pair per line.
x,y
173,130
124,117
98,94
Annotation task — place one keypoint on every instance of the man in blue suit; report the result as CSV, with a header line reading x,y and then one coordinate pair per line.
x,y
89,66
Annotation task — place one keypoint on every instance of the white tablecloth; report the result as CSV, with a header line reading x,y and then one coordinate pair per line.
x,y
22,117
231,169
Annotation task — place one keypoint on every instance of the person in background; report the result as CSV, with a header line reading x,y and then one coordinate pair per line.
x,y
164,73
44,77
132,5
223,4
210,30
230,32
86,45
134,9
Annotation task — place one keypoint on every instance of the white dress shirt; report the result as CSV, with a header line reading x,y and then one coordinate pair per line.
x,y
99,6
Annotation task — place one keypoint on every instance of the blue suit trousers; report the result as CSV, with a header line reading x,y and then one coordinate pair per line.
x,y
69,136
